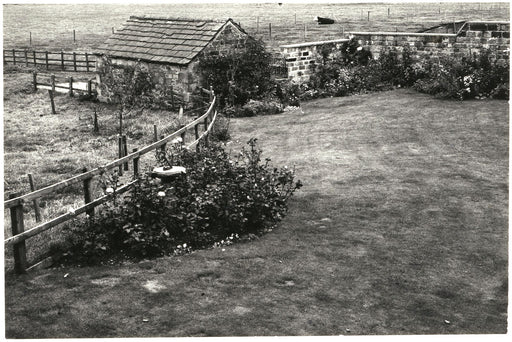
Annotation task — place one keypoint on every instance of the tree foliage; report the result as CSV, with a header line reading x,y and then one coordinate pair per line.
x,y
238,74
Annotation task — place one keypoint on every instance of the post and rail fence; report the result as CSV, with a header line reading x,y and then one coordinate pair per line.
x,y
63,61
200,129
64,84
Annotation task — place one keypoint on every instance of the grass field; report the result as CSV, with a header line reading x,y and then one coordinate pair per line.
x,y
401,228
291,23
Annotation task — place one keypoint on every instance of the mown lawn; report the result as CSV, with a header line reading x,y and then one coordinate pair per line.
x,y
401,228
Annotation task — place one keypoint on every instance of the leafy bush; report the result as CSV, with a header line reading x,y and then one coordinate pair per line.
x,y
221,129
477,76
238,74
350,69
218,198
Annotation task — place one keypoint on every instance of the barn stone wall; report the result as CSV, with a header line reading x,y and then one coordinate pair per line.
x,y
300,58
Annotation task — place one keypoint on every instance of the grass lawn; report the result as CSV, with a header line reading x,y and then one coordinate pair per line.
x,y
401,228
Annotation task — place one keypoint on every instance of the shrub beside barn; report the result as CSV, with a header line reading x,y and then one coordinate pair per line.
x,y
169,48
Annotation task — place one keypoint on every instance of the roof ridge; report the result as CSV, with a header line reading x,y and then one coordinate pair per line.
x,y
148,17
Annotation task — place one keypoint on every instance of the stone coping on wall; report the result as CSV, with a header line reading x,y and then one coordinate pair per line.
x,y
291,46
411,34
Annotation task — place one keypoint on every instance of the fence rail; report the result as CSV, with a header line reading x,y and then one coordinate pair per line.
x,y
16,204
64,84
65,61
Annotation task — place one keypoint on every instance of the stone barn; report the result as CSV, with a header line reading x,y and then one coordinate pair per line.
x,y
168,48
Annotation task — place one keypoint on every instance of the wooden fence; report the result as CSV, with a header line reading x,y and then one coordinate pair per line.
x,y
65,61
16,203
63,84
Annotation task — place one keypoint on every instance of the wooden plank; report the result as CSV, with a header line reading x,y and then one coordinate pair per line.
x,y
76,179
88,193
19,248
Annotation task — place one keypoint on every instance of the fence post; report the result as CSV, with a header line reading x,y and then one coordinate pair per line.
x,y
13,56
89,88
270,31
88,193
46,60
121,122
183,134
155,133
30,42
163,147
74,61
125,151
34,56
34,80
135,164
70,86
51,101
26,58
52,82
196,132
36,200
5,61
206,130
96,127
17,227
87,62
120,152
62,60
74,36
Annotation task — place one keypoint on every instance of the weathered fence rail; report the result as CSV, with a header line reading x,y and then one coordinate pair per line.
x,y
63,84
16,203
65,61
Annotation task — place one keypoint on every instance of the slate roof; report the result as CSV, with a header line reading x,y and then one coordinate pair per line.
x,y
162,40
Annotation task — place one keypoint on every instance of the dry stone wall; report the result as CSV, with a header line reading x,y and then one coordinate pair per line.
x,y
300,58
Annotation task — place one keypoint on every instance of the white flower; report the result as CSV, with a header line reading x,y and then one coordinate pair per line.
x,y
161,194
71,211
109,191
178,140
184,245
359,48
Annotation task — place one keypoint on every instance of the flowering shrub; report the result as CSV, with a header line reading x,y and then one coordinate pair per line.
x,y
218,198
471,77
350,70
